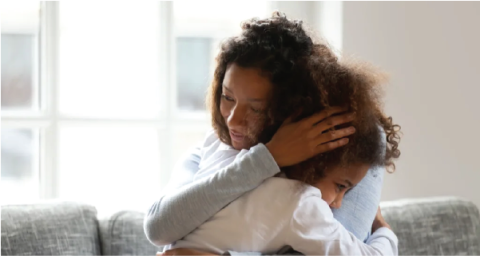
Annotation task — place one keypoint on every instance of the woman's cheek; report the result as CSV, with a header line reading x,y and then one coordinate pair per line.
x,y
254,124
224,111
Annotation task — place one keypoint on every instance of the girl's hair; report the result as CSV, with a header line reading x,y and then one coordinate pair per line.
x,y
307,77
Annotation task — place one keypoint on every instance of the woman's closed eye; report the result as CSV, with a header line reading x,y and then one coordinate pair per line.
x,y
224,96
257,110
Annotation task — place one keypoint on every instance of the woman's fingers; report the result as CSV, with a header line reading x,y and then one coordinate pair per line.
x,y
329,123
322,148
332,139
318,117
295,142
334,135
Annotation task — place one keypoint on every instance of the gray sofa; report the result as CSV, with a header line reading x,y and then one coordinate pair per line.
x,y
432,226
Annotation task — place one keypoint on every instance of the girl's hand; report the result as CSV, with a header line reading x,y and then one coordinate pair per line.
x,y
183,251
379,221
296,142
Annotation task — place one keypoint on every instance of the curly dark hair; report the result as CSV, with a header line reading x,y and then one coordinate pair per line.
x,y
309,77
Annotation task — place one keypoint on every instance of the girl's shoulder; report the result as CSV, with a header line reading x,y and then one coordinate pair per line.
x,y
289,190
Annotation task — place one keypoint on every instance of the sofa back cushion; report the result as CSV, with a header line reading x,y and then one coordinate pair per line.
x,y
122,234
434,226
50,229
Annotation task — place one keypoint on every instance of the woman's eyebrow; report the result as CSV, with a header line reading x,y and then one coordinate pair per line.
x,y
256,100
224,86
249,99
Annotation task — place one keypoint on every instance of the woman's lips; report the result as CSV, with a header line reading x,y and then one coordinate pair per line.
x,y
238,137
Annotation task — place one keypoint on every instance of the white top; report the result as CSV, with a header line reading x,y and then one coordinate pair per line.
x,y
277,213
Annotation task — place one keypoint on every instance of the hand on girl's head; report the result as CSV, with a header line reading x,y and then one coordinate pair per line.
x,y
295,142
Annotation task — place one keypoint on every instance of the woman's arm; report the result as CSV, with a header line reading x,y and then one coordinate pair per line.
x,y
186,204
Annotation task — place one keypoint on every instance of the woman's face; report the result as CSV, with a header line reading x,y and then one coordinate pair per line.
x,y
338,180
245,95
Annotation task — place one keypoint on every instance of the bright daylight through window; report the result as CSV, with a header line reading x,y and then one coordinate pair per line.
x,y
98,110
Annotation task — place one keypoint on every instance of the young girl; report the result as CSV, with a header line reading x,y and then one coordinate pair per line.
x,y
263,76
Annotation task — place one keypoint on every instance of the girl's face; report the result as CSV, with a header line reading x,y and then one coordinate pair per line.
x,y
338,181
245,95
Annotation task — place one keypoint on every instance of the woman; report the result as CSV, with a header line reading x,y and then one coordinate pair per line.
x,y
253,122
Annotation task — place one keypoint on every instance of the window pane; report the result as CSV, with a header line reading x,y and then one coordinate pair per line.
x,y
113,168
194,61
109,62
199,29
20,42
20,166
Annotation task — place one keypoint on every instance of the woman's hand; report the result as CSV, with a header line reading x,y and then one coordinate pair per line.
x,y
379,221
296,142
183,251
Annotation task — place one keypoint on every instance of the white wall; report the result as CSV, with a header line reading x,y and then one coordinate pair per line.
x,y
432,50
323,17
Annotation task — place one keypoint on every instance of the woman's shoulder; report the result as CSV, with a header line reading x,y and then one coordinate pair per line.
x,y
211,139
213,149
210,143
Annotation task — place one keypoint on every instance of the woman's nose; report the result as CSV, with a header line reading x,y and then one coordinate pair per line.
x,y
236,117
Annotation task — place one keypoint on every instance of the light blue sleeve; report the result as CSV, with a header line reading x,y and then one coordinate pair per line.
x,y
360,204
187,204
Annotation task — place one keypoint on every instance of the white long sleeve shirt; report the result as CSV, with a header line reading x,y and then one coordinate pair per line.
x,y
277,213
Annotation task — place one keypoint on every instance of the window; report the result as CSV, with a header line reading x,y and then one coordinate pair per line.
x,y
99,102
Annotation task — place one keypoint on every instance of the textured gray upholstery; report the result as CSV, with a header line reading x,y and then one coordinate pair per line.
x,y
434,226
431,226
122,234
50,229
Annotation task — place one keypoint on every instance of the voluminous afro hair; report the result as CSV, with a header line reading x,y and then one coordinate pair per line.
x,y
308,77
